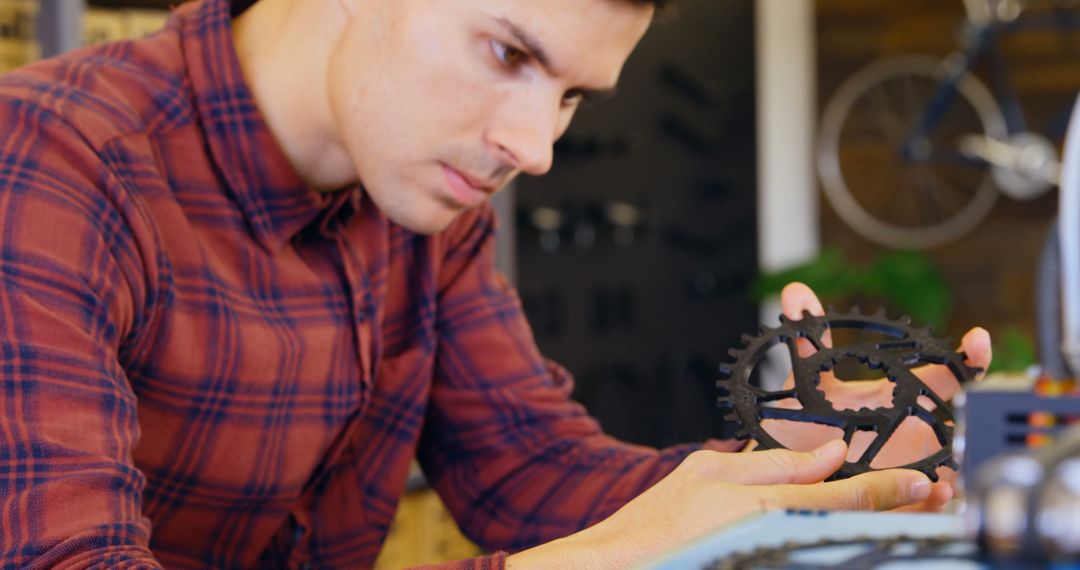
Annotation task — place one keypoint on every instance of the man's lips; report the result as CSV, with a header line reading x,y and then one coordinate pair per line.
x,y
467,190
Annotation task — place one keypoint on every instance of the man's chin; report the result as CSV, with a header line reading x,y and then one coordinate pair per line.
x,y
426,225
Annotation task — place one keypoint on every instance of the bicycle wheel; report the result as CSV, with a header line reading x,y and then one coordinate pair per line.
x,y
891,187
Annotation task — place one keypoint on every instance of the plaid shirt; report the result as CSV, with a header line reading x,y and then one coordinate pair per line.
x,y
206,364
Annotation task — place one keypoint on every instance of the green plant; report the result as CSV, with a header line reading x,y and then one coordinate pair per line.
x,y
1013,350
907,281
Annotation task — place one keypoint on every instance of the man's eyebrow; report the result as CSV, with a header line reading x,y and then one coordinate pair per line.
x,y
530,43
537,51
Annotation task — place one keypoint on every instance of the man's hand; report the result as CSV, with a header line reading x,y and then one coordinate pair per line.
x,y
913,440
711,489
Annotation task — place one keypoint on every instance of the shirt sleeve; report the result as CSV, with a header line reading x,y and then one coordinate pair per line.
x,y
69,285
516,461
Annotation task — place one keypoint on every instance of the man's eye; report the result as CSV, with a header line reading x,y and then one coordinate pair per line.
x,y
509,56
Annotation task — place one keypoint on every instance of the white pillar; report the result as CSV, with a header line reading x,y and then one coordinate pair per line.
x,y
60,25
788,224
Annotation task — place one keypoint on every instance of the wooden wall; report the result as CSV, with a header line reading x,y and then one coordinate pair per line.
x,y
990,271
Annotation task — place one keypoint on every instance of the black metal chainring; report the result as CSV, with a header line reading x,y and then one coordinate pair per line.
x,y
856,554
896,349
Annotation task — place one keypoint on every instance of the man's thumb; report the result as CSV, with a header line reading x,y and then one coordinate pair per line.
x,y
873,491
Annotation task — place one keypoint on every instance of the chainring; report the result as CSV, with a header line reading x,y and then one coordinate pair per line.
x,y
896,349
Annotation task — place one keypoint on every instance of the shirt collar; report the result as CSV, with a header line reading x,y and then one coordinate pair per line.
x,y
275,202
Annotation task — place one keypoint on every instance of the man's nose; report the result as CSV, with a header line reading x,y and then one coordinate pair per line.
x,y
526,136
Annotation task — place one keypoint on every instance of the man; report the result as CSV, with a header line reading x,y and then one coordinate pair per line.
x,y
247,275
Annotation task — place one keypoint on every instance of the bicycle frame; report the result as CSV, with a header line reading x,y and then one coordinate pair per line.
x,y
981,40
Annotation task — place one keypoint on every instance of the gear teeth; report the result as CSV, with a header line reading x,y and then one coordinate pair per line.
x,y
915,344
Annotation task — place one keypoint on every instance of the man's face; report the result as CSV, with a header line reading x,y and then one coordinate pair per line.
x,y
440,103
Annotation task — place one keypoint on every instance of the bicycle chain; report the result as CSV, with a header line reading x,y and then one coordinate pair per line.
x,y
906,348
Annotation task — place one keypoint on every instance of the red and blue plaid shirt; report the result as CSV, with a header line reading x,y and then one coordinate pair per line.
x,y
206,364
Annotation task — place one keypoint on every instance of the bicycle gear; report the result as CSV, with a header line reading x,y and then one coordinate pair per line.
x,y
904,347
853,554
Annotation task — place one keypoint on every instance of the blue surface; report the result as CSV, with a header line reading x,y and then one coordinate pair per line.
x,y
776,528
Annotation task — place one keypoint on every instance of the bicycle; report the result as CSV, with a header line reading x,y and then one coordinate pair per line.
x,y
914,150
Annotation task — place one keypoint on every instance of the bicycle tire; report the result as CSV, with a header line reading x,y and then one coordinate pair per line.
x,y
904,221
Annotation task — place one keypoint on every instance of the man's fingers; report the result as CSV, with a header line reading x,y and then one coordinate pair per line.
x,y
796,298
873,491
940,495
770,467
976,346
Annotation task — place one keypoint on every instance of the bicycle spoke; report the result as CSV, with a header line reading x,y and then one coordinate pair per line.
x,y
896,201
953,159
954,196
925,198
967,186
863,126
937,195
914,105
890,125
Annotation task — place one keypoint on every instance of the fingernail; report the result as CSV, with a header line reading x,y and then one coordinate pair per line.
x,y
828,448
920,489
